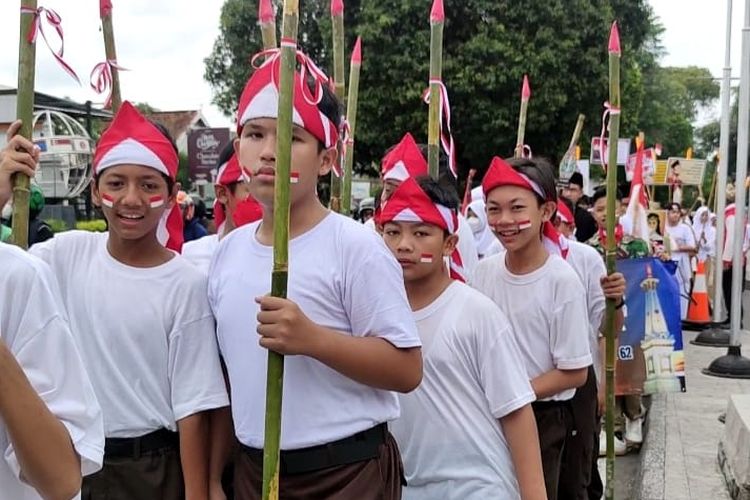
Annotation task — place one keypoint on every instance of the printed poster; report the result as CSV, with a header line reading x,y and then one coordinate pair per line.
x,y
650,357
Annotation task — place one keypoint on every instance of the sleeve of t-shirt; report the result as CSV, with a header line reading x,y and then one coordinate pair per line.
x,y
44,250
569,341
195,372
46,351
689,236
375,298
502,374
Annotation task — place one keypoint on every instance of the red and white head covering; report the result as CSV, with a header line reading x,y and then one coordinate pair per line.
x,y
501,174
247,210
409,203
404,160
260,99
132,140
565,215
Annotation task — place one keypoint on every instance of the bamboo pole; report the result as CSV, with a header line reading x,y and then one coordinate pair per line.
x,y
339,77
351,116
105,13
25,113
611,252
520,136
437,23
267,20
284,123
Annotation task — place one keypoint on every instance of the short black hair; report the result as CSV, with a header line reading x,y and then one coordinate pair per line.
x,y
330,106
576,179
541,172
439,193
161,128
601,192
672,206
445,175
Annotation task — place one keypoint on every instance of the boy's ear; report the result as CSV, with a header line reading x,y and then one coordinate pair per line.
x,y
222,194
450,244
328,159
548,209
96,198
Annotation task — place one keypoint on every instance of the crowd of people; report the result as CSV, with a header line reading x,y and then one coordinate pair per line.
x,y
435,351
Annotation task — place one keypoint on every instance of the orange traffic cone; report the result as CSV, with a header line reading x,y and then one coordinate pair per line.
x,y
698,313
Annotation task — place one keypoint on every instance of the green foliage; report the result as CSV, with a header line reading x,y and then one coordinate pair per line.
x,y
95,226
488,46
57,225
708,138
183,173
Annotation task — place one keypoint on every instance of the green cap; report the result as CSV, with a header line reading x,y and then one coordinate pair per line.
x,y
36,199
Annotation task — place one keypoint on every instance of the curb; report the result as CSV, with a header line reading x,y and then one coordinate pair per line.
x,y
653,452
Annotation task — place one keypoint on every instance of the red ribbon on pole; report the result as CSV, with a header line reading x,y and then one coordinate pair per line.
x,y
347,141
37,27
446,138
603,151
101,79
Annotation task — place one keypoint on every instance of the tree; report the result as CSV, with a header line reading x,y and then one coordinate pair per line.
x,y
489,45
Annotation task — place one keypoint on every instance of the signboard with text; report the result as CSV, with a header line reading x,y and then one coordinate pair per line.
x,y
204,148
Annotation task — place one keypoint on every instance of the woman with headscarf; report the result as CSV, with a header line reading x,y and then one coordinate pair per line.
x,y
485,240
705,237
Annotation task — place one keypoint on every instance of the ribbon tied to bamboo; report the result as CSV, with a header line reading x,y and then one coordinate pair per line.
x,y
446,137
609,110
39,15
347,141
101,79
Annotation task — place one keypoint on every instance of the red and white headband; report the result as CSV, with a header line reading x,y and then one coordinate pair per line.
x,y
260,99
404,160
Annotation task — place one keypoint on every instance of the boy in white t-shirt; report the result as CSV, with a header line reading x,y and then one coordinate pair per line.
x,y
50,423
540,293
234,207
141,320
346,327
468,431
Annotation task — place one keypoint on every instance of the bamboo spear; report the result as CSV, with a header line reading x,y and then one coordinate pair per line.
x,y
267,20
525,96
24,112
339,79
437,23
275,375
105,13
611,251
351,116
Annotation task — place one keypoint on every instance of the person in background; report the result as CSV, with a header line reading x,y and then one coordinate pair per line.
x,y
584,222
486,242
683,248
193,229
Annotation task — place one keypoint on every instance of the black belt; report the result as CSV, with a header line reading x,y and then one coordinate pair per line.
x,y
135,447
362,446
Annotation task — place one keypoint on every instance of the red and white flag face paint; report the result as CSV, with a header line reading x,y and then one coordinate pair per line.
x,y
294,177
156,201
524,225
426,258
107,200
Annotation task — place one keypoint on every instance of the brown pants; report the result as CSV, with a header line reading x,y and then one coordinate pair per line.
x,y
553,424
155,475
575,472
376,479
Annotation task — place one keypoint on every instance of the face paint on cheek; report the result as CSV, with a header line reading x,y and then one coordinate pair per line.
x,y
107,200
156,201
524,225
294,177
426,258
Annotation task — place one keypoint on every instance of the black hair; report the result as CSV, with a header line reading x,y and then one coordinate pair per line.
x,y
445,175
672,206
540,171
439,193
576,179
161,128
330,106
601,192
567,203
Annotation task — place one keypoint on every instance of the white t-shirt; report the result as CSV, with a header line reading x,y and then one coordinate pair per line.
x,y
342,277
33,327
546,308
681,235
199,252
589,266
146,335
451,442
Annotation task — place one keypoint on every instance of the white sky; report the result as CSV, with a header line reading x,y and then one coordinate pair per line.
x,y
164,43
